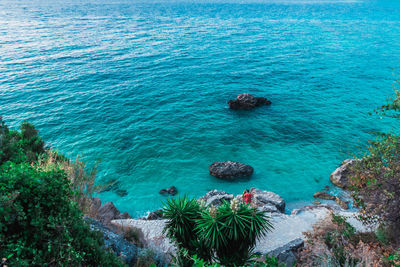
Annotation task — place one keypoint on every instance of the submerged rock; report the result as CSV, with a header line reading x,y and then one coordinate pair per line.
x,y
324,195
216,197
341,176
230,170
247,101
169,191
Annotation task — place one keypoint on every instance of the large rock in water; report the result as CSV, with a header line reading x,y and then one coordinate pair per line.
x,y
341,176
230,170
247,101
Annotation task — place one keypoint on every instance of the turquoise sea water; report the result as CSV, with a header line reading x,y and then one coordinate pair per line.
x,y
143,87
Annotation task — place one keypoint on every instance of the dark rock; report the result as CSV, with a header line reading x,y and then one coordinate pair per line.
x,y
324,195
172,191
169,191
230,170
111,185
341,176
126,250
288,253
216,197
109,212
124,215
247,101
121,192
163,192
326,188
343,204
155,215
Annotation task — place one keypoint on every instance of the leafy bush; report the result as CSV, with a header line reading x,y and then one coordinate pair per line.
x,y
376,179
227,233
394,259
40,225
23,146
334,242
40,222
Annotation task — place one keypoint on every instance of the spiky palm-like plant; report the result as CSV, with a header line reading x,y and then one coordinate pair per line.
x,y
232,230
182,214
227,233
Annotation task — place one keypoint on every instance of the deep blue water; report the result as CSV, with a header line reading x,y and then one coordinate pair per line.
x,y
143,87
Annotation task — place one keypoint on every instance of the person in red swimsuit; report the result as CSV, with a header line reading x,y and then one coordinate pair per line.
x,y
247,196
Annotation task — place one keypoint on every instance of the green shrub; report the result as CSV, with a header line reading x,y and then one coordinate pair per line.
x,y
376,179
23,146
227,233
394,258
40,225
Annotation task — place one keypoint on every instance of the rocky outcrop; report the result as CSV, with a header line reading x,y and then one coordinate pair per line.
x,y
324,195
268,201
169,191
247,101
109,212
216,197
341,176
155,215
126,250
230,170
287,254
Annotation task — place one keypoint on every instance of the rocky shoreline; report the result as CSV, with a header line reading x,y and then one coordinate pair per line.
x,y
283,242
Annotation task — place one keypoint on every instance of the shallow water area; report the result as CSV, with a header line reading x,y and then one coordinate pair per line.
x,y
143,87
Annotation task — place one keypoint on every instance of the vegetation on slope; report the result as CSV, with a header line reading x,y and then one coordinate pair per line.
x,y
41,222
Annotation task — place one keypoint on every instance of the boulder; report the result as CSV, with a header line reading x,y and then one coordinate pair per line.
x,y
230,170
155,215
216,197
169,191
341,176
287,253
109,212
266,199
247,101
324,195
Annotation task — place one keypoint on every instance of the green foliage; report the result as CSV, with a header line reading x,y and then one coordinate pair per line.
x,y
227,233
394,258
271,262
40,223
337,240
23,146
376,179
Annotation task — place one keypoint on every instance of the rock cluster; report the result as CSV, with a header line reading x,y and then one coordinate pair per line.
x,y
169,191
230,170
216,197
247,101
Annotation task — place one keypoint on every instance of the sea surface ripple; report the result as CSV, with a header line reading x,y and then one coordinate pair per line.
x,y
143,86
